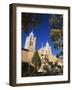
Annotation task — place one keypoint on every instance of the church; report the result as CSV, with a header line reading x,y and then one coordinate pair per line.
x,y
30,47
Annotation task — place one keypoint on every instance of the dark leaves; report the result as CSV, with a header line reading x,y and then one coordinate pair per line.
x,y
56,26
36,60
56,21
30,20
57,37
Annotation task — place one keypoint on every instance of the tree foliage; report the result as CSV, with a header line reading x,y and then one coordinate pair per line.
x,y
56,21
56,34
36,60
57,38
30,20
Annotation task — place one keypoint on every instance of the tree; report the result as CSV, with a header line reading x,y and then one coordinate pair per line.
x,y
36,60
56,33
57,37
30,20
55,21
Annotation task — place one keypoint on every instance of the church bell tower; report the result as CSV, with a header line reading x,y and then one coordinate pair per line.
x,y
30,42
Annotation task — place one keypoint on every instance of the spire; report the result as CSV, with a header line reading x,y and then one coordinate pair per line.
x,y
31,34
47,44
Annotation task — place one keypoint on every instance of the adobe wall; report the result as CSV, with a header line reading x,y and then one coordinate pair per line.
x,y
26,56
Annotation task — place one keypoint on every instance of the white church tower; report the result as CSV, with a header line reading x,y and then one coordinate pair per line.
x,y
30,42
48,48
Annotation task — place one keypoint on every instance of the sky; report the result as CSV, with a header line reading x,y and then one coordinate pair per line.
x,y
42,33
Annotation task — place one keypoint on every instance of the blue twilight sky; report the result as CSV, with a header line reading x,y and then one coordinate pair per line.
x,y
42,33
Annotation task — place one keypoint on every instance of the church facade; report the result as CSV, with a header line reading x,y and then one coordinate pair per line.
x,y
30,42
29,49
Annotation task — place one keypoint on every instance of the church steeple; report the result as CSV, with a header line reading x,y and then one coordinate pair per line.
x,y
30,41
31,34
47,44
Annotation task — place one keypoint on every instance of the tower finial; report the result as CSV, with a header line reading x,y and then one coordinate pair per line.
x,y
47,44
